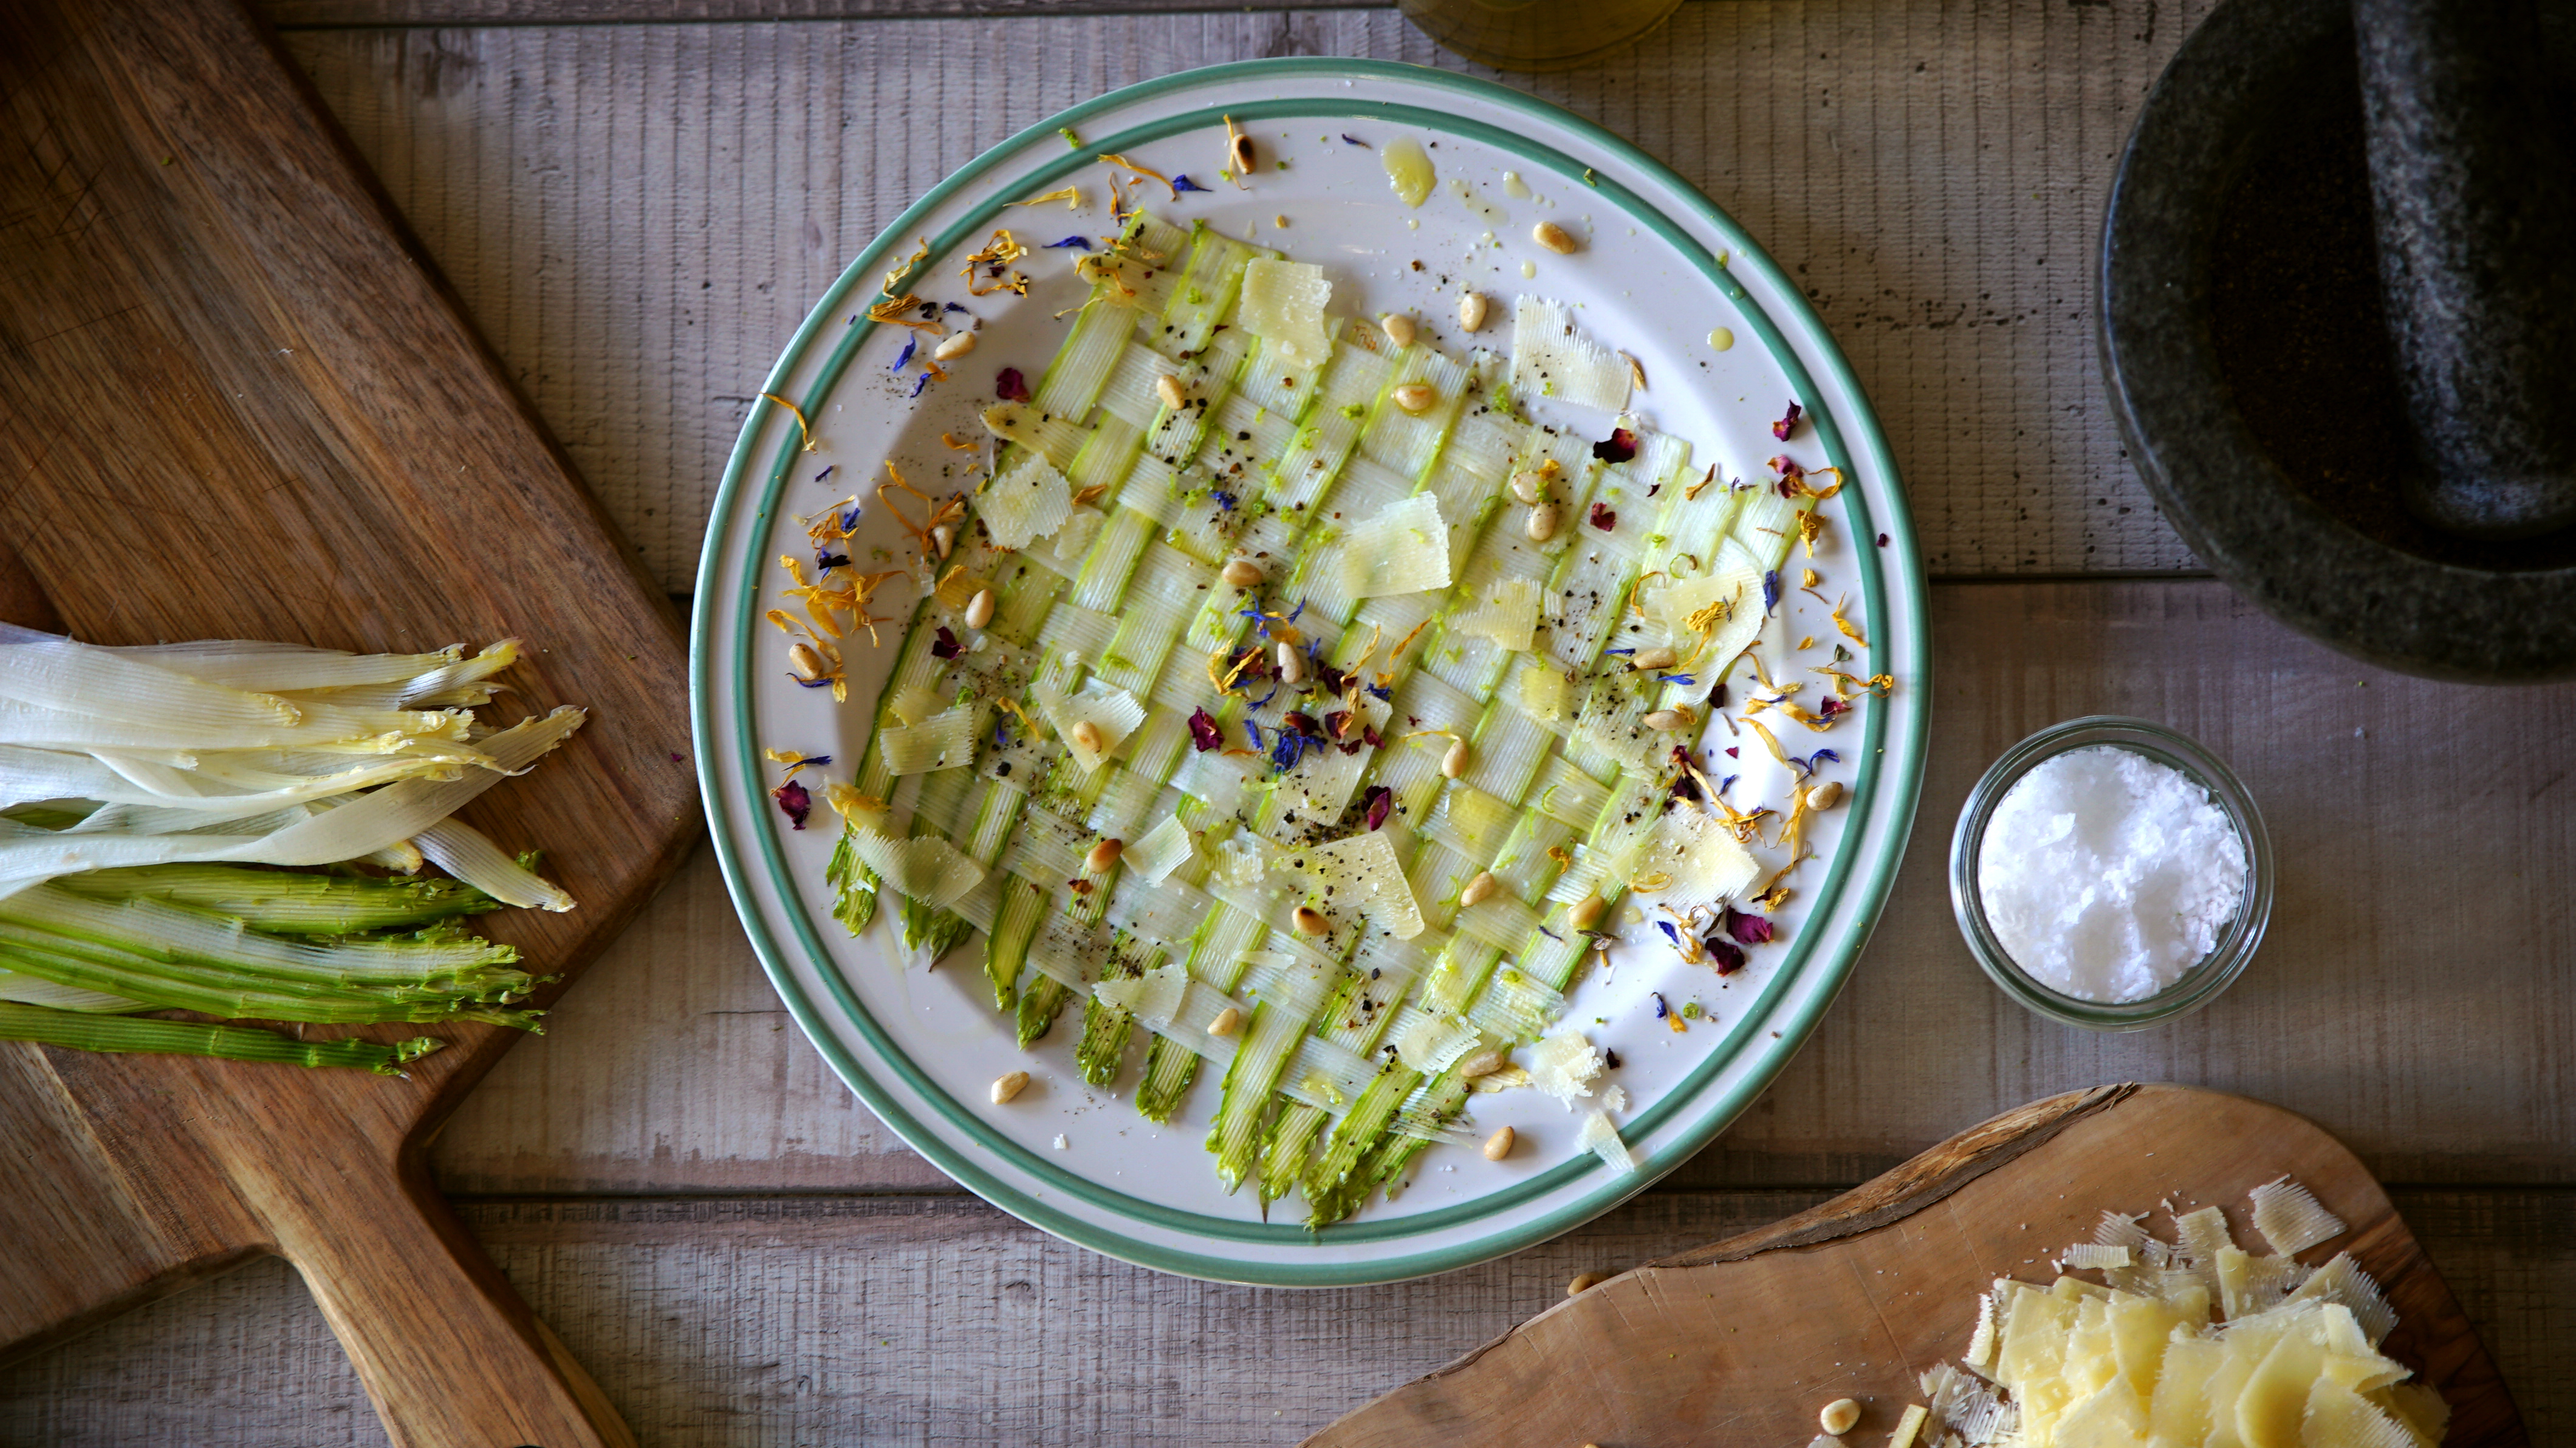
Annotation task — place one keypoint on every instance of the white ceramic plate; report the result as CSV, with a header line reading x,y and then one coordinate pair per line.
x,y
1660,270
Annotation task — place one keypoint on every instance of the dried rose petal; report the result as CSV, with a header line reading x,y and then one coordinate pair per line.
x,y
1603,518
1620,446
1829,706
1725,954
1203,730
947,647
1786,425
1747,929
1010,386
1380,800
792,798
1367,732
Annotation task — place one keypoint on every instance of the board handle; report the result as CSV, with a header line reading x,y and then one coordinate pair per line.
x,y
449,1352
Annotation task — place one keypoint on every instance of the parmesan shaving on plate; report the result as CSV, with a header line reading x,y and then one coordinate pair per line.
x,y
1030,500
1404,549
1703,863
1112,713
1564,1066
1508,615
925,867
1551,359
1163,849
945,740
1363,873
2090,1254
1599,1137
1283,304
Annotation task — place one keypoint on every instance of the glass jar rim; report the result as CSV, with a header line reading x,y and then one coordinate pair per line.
x,y
2206,978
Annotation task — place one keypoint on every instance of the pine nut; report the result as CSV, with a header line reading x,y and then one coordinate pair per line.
x,y
1542,522
1587,912
1399,328
1453,761
1825,795
1529,487
1585,1283
1839,1417
954,346
1168,388
1471,310
1499,1145
1086,736
1240,148
979,609
1103,855
805,661
1481,1064
1009,1086
1552,236
1311,921
1647,659
1292,664
1416,398
1241,573
1477,889
1678,717
1227,1022
943,538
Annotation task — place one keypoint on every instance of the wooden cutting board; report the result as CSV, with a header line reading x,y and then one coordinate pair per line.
x,y
1744,1341
236,400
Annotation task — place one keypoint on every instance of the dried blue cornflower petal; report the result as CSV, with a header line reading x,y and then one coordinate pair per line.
x,y
903,358
1770,590
1184,183
1350,139
1082,242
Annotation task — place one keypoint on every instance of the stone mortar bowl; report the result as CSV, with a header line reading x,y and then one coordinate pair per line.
x,y
2244,349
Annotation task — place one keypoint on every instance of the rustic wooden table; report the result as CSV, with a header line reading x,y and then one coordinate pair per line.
x,y
636,198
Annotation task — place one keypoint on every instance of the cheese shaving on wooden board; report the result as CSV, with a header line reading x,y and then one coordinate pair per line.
x,y
2292,1360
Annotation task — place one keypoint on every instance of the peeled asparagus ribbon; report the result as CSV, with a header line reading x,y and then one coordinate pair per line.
x,y
238,829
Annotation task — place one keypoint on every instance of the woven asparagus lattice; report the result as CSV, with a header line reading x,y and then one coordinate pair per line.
x,y
1280,616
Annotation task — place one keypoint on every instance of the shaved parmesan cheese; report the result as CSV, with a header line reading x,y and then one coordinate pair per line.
x,y
1508,615
1710,617
925,867
1702,864
1614,1099
1564,1066
1551,359
1404,549
1363,873
1028,501
912,703
1981,1343
1074,539
1163,849
1283,304
945,740
1599,1137
1542,692
1112,711
1431,1043
2088,1367
1154,997
2291,1218
2342,1281
1909,1427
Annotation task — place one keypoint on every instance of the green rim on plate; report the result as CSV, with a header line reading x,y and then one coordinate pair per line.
x,y
1896,757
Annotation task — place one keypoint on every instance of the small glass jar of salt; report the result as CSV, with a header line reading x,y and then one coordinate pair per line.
x,y
2111,873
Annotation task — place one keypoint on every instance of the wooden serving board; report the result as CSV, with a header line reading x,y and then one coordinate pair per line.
x,y
236,400
1742,1342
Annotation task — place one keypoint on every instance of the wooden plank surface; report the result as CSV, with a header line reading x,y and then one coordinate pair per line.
x,y
2411,995
638,215
743,1322
635,216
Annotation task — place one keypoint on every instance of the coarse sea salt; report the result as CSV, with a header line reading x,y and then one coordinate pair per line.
x,y
2106,875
